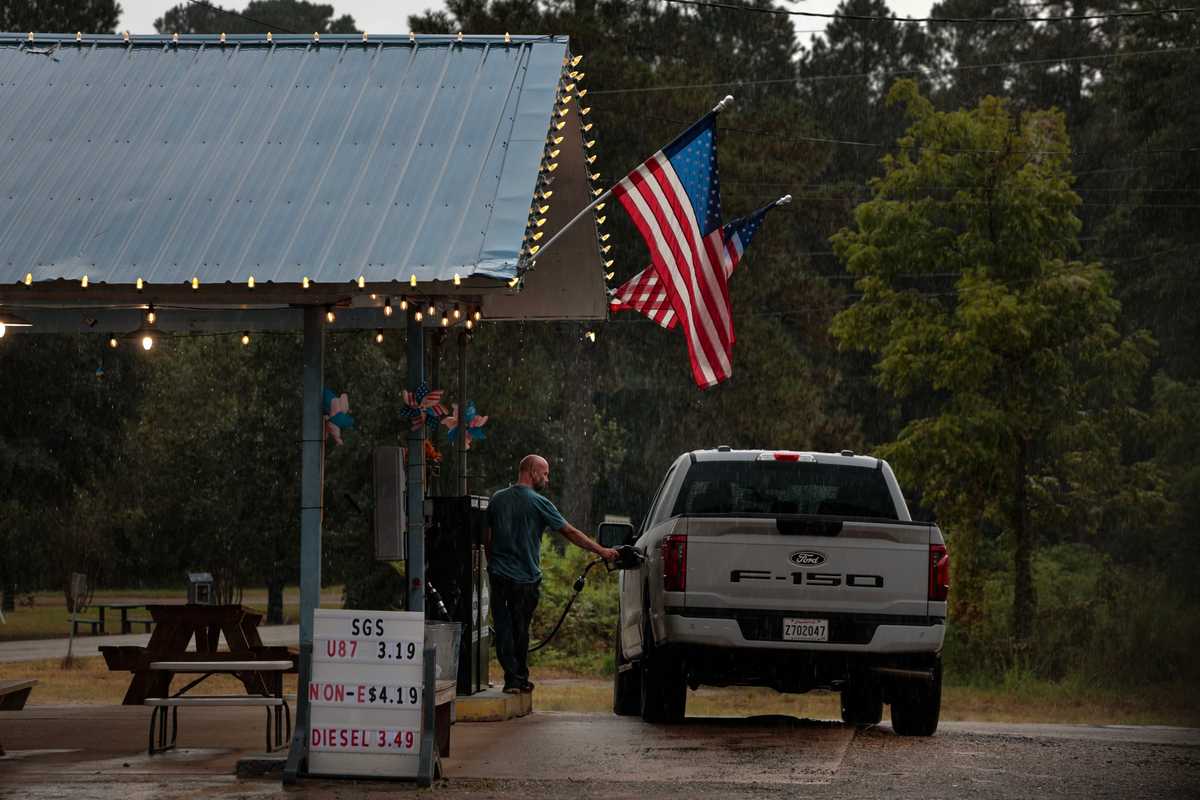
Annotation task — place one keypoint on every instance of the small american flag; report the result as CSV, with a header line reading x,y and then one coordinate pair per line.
x,y
644,293
674,199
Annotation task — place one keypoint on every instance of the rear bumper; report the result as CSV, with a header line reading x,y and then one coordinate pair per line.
x,y
849,633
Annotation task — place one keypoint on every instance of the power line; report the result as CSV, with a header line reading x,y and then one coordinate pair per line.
x,y
227,12
901,72
933,20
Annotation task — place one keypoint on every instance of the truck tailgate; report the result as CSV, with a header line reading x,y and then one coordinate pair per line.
x,y
807,565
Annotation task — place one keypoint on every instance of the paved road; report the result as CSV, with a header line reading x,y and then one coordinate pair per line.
x,y
39,649
97,753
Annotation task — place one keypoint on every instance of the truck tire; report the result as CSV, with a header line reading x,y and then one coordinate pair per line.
x,y
627,685
917,705
664,685
862,703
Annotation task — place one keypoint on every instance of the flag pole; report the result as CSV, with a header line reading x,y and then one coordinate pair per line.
x,y
717,109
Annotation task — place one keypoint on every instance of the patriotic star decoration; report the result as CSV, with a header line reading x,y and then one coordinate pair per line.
x,y
336,412
424,405
472,421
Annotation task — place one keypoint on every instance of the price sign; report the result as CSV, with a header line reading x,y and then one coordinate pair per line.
x,y
365,693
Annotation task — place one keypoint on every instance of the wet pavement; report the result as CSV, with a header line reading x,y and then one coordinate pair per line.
x,y
86,752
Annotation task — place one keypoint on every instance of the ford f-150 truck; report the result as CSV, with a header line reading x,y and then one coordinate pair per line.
x,y
786,569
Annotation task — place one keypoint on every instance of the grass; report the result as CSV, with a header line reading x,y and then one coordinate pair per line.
x,y
90,682
43,615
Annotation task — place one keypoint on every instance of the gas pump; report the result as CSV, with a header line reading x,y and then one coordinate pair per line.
x,y
456,566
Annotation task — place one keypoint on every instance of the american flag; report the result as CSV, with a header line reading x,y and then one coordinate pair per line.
x,y
674,199
644,293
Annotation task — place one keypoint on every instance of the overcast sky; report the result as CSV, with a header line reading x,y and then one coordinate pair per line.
x,y
391,16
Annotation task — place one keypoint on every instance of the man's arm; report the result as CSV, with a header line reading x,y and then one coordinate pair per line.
x,y
581,539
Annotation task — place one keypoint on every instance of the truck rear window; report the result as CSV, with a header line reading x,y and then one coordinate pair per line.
x,y
783,487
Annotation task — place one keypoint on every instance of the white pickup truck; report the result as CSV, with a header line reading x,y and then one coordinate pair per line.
x,y
792,570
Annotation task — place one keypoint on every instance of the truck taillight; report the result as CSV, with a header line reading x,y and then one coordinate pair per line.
x,y
939,572
674,555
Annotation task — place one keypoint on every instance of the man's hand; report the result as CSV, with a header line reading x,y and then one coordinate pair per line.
x,y
608,554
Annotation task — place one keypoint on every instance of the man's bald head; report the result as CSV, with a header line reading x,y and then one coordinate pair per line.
x,y
534,471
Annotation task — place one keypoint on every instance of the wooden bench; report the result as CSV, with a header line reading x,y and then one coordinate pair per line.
x,y
96,623
127,624
279,716
13,695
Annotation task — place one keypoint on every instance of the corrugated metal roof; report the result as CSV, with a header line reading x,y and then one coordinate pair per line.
x,y
281,160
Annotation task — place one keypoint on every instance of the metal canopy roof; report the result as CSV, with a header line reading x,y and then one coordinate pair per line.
x,y
285,158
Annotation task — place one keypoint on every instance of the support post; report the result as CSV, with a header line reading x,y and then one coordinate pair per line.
x,y
460,444
312,491
415,564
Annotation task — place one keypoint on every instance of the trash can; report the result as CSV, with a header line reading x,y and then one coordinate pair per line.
x,y
447,636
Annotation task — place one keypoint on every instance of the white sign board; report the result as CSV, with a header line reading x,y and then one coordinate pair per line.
x,y
365,693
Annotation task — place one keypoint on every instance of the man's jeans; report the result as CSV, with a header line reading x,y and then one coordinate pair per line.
x,y
513,605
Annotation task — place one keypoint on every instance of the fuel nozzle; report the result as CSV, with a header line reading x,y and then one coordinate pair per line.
x,y
628,557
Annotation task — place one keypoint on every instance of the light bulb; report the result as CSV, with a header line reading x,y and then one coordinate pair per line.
x,y
112,342
330,317
139,284
83,282
387,307
195,282
478,315
147,342
457,279
304,282
418,316
470,324
151,316
3,330
28,278
431,310
445,320
250,282
245,339
378,337
412,281
404,304
457,312
362,282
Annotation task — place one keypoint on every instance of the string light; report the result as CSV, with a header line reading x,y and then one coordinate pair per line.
x,y
250,282
587,128
600,220
304,282
151,316
431,310
245,338
112,342
139,284
28,278
83,282
387,307
418,316
513,283
546,195
457,279
404,303
445,320
362,282
378,337
470,324
590,336
195,282
478,315
412,280
330,317
457,312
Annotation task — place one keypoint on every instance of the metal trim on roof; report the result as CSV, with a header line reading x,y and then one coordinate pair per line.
x,y
387,158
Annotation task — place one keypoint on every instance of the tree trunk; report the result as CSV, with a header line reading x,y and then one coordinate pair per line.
x,y
275,598
1024,597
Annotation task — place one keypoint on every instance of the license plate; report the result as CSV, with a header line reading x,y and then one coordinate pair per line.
x,y
805,630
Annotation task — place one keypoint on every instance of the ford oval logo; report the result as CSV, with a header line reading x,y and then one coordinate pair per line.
x,y
807,558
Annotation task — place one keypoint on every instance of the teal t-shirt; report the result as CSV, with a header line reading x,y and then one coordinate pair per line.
x,y
518,516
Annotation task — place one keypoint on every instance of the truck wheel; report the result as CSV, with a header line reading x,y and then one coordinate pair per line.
x,y
862,703
664,685
627,684
917,705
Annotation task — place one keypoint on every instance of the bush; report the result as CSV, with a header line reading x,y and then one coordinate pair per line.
x,y
584,642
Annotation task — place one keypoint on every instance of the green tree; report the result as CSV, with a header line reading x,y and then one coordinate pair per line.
x,y
970,294
259,16
60,16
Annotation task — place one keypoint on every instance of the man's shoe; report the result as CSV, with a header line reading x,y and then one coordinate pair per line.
x,y
527,688
511,689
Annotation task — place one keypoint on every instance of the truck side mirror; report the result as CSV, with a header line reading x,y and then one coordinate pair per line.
x,y
615,534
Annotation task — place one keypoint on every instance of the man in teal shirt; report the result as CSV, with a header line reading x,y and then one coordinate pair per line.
x,y
517,518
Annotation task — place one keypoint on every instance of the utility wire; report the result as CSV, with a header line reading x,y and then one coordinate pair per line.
x,y
900,72
933,20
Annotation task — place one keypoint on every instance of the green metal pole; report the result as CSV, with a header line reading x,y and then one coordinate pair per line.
x,y
312,484
415,565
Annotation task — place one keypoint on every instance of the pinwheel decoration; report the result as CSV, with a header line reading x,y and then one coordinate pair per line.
x,y
337,415
423,405
469,420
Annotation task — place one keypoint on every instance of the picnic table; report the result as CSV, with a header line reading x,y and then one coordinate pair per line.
x,y
178,626
99,622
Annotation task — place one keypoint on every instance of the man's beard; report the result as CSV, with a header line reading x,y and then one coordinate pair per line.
x,y
541,485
